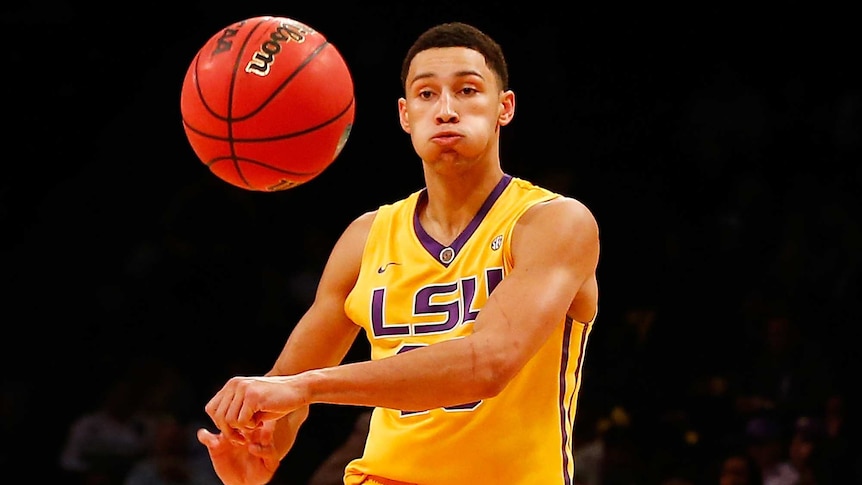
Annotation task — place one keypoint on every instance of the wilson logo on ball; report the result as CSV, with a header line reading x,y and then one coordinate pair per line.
x,y
265,55
225,42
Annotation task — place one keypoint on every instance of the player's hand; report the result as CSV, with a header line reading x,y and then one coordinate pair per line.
x,y
244,404
255,459
252,462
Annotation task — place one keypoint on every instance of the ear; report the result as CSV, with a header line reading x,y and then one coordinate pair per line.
x,y
402,115
507,108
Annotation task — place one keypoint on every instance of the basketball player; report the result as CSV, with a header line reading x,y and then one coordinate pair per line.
x,y
477,294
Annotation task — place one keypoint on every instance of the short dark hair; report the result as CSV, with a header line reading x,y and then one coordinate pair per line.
x,y
458,34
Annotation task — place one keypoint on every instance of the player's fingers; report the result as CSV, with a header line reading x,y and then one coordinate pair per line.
x,y
246,420
206,438
242,412
261,443
215,410
233,409
212,406
224,416
264,435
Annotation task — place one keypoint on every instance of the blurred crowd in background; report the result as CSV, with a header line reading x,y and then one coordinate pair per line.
x,y
721,156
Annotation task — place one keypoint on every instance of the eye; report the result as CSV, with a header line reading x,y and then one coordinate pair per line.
x,y
469,90
425,94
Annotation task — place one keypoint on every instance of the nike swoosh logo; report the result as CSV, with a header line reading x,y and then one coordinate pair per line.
x,y
383,268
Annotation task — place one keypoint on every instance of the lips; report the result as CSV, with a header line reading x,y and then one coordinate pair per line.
x,y
446,138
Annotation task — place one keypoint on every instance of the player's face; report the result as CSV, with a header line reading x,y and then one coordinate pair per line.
x,y
453,106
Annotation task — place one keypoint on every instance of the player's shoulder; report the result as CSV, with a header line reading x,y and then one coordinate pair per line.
x,y
562,207
559,231
561,216
572,207
363,222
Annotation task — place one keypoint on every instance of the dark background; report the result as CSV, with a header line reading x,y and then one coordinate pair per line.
x,y
718,148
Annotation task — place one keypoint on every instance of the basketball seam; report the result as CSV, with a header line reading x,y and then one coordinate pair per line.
x,y
284,136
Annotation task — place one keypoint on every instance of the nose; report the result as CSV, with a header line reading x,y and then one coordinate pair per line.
x,y
446,109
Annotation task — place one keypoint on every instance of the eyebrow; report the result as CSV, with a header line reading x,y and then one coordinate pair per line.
x,y
465,73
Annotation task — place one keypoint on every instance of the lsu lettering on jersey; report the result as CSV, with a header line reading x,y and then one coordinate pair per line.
x,y
413,291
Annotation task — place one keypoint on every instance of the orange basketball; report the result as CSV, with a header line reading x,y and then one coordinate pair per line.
x,y
267,103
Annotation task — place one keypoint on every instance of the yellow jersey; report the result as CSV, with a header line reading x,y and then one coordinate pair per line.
x,y
413,291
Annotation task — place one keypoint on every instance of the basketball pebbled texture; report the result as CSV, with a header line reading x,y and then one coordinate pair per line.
x,y
267,103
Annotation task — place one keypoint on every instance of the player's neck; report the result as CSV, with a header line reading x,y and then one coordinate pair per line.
x,y
454,199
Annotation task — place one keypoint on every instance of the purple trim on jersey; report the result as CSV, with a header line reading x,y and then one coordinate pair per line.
x,y
564,407
433,247
578,368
